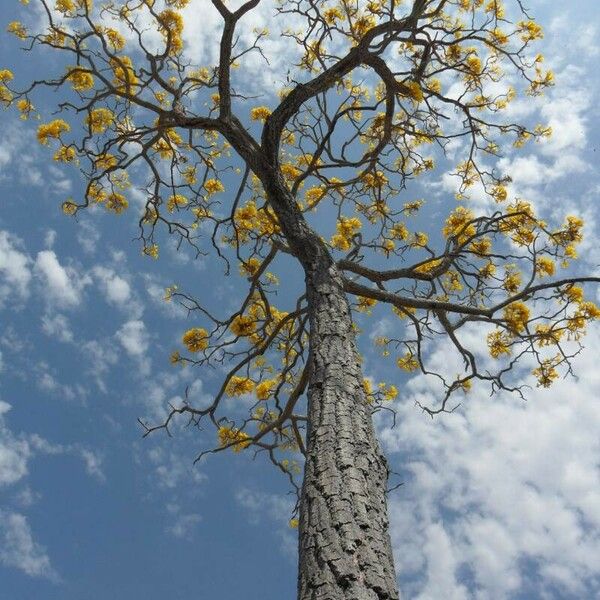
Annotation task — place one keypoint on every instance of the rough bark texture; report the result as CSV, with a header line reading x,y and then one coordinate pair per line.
x,y
345,550
344,547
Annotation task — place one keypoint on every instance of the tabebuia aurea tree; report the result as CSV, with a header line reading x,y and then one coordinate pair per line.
x,y
316,174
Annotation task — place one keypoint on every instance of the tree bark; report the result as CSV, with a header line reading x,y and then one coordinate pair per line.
x,y
344,545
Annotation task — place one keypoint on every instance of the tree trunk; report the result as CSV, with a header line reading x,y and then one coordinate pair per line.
x,y
344,549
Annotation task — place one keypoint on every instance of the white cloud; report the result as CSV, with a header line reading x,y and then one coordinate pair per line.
x,y
183,524
50,238
57,326
499,484
274,508
116,289
63,285
134,338
88,236
19,550
15,269
93,463
14,452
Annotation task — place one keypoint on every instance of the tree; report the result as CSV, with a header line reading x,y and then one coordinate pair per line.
x,y
321,178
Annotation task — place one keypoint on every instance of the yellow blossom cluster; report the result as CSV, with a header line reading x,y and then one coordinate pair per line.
x,y
520,223
374,180
52,130
365,304
213,186
167,143
171,27
408,362
230,436
116,203
413,90
195,339
65,154
250,267
265,388
238,386
124,74
346,229
243,326
69,7
458,224
260,113
114,39
252,219
18,29
99,120
546,373
545,266
81,79
516,316
175,202
498,343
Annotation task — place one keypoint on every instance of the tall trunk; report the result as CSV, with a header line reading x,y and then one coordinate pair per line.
x,y
345,550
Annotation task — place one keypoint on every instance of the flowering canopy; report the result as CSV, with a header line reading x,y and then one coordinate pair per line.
x,y
380,91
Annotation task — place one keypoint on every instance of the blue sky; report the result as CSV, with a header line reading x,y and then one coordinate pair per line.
x,y
500,499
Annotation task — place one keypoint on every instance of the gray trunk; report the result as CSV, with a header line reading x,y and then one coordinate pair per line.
x,y
344,547
345,550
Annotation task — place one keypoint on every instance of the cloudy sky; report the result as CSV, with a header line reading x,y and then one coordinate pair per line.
x,y
499,500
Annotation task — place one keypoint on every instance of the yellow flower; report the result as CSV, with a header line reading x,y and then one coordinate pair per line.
x,y
65,154
238,386
346,229
260,113
115,40
243,326
365,304
151,251
25,107
331,15
516,316
413,90
105,161
250,267
80,79
512,280
213,186
171,26
230,436
408,362
545,266
124,74
195,339
265,388
69,208
546,373
99,119
390,393
457,224
116,203
52,130
175,202
6,75
18,29
530,30
498,343
547,336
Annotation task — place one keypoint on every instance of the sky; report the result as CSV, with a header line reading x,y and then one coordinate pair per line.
x,y
500,500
